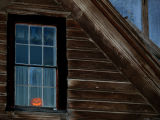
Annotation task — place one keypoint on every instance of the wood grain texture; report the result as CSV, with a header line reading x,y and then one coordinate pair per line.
x,y
101,86
3,38
96,75
3,48
105,96
3,78
110,106
91,65
3,57
76,34
3,17
85,55
80,44
3,69
86,115
72,24
3,27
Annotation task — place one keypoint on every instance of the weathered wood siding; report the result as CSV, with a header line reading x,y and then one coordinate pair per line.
x,y
97,90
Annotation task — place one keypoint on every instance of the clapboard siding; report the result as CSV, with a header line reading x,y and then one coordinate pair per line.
x,y
110,106
3,78
91,65
3,27
80,44
3,69
3,48
40,2
105,96
86,115
3,57
3,17
3,38
96,75
85,54
34,7
70,23
101,86
71,33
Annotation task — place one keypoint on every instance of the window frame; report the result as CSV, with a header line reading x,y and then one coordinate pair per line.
x,y
61,85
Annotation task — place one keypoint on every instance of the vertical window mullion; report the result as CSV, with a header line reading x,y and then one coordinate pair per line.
x,y
145,18
28,61
42,64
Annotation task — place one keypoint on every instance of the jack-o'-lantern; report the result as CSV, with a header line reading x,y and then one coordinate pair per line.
x,y
36,102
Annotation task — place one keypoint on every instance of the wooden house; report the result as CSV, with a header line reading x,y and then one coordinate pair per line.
x,y
102,68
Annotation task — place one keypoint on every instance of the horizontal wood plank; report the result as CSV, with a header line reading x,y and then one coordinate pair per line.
x,y
85,55
71,33
91,65
105,96
40,2
86,115
3,48
3,69
3,99
34,7
110,106
3,17
3,38
96,75
2,88
70,23
101,86
3,78
3,57
79,44
3,28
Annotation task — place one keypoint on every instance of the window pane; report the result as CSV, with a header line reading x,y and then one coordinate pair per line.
x,y
36,35
35,76
49,56
49,97
154,21
130,8
50,36
49,77
21,97
21,75
22,54
22,33
35,93
35,55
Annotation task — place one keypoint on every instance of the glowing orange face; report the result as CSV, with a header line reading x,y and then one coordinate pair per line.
x,y
36,102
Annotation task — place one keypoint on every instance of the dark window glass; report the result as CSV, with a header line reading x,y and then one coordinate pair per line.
x,y
50,36
154,21
21,33
21,95
35,76
22,54
21,75
36,35
49,77
36,55
49,95
49,56
131,9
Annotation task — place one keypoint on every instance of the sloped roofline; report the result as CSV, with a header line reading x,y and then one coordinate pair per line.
x,y
118,40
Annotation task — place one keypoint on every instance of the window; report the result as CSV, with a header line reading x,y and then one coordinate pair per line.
x,y
37,68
